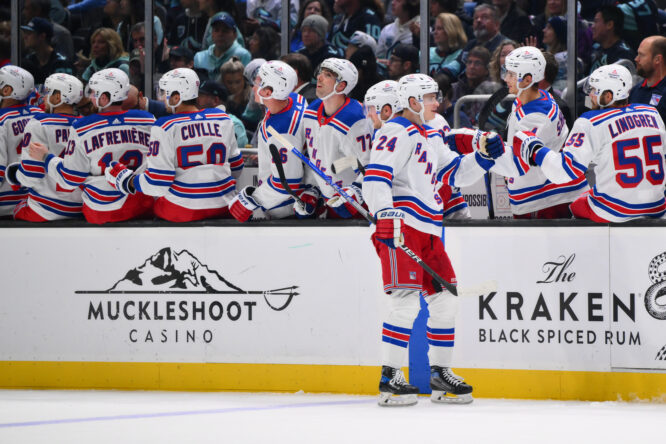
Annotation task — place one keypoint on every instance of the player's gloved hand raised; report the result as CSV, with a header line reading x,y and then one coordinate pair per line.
x,y
307,206
390,223
526,145
120,177
242,206
493,147
464,140
340,205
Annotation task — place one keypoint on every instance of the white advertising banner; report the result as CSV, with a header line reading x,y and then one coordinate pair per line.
x,y
195,294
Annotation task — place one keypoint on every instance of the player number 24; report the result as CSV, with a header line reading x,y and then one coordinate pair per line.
x,y
629,162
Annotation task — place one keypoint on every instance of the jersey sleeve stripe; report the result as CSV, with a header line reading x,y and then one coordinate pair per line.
x,y
36,171
418,209
445,174
8,115
237,163
625,209
573,168
203,190
73,178
102,197
294,184
57,206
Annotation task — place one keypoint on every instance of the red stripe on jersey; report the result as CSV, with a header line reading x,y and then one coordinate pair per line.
x,y
551,186
101,197
57,206
629,211
419,210
203,190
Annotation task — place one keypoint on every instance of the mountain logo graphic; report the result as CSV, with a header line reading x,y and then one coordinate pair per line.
x,y
171,272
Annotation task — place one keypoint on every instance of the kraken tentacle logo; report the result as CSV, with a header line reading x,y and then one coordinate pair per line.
x,y
655,296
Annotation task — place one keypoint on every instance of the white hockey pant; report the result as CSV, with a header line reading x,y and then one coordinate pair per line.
x,y
442,308
404,306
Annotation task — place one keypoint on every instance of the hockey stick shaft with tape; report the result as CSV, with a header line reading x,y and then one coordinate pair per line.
x,y
408,251
280,169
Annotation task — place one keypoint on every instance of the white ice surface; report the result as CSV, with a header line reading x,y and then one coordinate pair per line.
x,y
99,417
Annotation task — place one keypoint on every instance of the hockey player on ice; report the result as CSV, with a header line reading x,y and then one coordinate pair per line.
x,y
193,162
531,194
624,141
273,88
16,85
94,143
47,201
407,163
335,127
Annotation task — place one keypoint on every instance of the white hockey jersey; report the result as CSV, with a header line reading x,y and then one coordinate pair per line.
x,y
532,191
193,160
328,138
94,142
13,121
407,166
454,203
627,147
270,193
45,197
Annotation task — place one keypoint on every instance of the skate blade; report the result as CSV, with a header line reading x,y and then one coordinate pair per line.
x,y
391,400
440,397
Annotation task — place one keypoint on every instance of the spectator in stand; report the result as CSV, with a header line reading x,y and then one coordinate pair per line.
x,y
358,40
356,15
446,107
404,60
214,95
62,38
606,30
5,43
651,65
160,51
303,69
366,64
486,34
113,15
452,7
476,80
106,51
133,11
555,42
641,20
42,60
449,38
224,47
316,48
308,7
515,24
215,9
189,26
259,12
238,87
181,57
553,8
264,43
406,13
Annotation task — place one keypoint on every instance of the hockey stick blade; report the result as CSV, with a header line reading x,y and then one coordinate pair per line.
x,y
437,279
275,154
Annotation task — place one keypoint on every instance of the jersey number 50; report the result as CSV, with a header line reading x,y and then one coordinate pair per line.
x,y
191,155
627,160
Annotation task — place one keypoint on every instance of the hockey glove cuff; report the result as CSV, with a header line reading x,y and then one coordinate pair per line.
x,y
526,147
119,177
390,223
341,206
307,206
242,206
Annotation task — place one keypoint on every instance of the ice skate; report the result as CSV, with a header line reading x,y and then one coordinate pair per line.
x,y
394,389
448,388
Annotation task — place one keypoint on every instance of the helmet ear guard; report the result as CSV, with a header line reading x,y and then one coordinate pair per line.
x,y
183,81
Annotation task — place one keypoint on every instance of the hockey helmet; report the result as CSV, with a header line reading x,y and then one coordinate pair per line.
x,y
384,93
345,72
183,81
278,76
614,78
524,61
111,81
69,87
21,81
417,86
251,70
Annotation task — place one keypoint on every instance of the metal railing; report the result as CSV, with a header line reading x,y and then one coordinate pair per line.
x,y
472,98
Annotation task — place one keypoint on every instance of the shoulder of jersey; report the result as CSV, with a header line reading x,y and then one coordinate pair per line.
x,y
545,104
287,122
205,114
299,100
6,113
351,113
401,122
54,119
598,116
314,106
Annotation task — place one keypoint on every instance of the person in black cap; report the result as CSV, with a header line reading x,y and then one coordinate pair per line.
x,y
42,60
181,57
213,95
365,61
224,47
403,60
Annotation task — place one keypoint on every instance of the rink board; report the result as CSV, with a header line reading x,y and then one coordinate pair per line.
x,y
300,308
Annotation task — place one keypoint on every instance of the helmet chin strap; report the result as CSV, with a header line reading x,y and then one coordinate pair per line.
x,y
52,106
332,93
173,107
421,113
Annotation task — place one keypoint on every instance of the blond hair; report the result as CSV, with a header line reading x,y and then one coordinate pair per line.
x,y
113,41
494,66
454,30
232,66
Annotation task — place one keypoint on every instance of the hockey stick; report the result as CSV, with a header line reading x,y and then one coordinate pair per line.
x,y
275,154
347,162
437,279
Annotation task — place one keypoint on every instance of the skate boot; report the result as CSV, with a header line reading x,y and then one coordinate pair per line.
x,y
394,390
448,388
